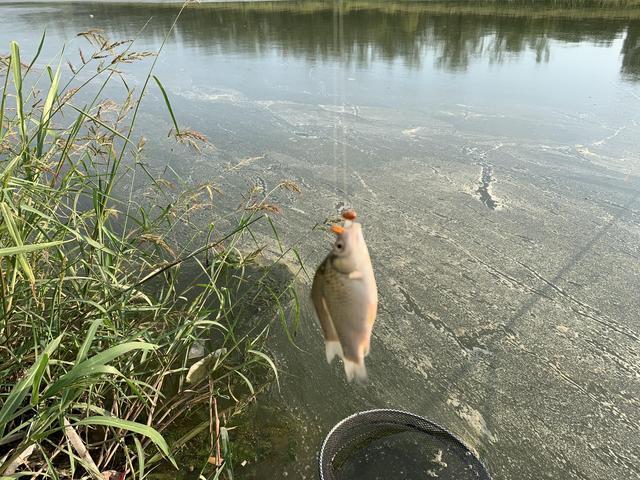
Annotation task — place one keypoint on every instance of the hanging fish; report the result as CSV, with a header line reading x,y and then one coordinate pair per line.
x,y
345,298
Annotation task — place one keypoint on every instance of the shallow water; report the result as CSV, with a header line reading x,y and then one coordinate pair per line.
x,y
492,153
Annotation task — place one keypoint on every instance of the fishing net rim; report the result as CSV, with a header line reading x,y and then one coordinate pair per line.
x,y
374,411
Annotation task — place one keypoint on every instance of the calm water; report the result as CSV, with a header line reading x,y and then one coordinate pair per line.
x,y
493,154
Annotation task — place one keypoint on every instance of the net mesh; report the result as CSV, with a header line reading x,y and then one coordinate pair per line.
x,y
385,444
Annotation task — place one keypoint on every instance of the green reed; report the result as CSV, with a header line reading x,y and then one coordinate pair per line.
x,y
112,330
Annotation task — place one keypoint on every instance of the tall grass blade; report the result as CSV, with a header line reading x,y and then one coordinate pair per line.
x,y
38,52
46,111
151,433
37,378
34,247
168,103
93,365
84,349
272,365
247,381
16,65
14,233
20,390
3,100
141,457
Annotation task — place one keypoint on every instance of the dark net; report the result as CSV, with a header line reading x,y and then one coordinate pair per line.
x,y
390,444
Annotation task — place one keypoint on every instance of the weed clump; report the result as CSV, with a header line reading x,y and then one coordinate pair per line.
x,y
104,317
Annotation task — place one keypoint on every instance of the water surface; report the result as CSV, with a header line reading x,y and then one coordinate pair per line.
x,y
492,153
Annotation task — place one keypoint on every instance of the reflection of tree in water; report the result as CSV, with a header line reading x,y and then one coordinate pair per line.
x,y
369,32
631,53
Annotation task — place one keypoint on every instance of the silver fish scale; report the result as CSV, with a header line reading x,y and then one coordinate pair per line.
x,y
335,281
335,287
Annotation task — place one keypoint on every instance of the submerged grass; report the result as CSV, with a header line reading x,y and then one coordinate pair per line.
x,y
105,343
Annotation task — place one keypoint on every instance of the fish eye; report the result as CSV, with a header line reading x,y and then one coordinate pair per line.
x,y
339,245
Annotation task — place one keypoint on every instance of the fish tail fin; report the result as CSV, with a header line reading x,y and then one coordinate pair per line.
x,y
355,370
331,349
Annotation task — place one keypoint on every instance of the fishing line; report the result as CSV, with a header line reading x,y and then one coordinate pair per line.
x,y
343,99
340,165
335,119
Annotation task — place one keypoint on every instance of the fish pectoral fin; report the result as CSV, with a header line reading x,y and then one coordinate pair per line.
x,y
355,275
322,310
331,349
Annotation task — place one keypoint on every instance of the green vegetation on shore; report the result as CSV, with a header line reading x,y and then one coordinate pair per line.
x,y
105,307
575,9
